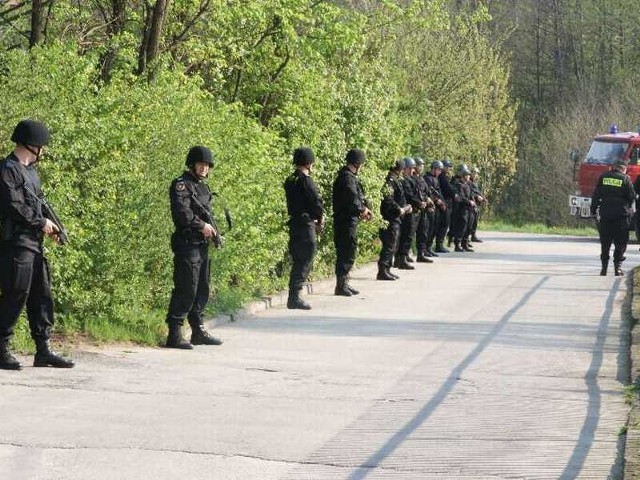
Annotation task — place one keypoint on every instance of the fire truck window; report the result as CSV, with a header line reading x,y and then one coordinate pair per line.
x,y
634,156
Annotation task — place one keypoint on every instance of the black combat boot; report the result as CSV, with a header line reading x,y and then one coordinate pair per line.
x,y
617,268
474,238
458,248
466,247
605,265
423,257
431,252
402,264
295,302
350,288
384,274
175,340
8,361
45,357
440,248
199,336
342,289
408,258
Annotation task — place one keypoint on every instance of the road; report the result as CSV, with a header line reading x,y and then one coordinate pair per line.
x,y
504,363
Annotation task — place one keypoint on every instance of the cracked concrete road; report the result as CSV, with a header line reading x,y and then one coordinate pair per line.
x,y
504,363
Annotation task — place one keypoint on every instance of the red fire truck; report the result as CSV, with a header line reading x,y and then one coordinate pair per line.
x,y
605,149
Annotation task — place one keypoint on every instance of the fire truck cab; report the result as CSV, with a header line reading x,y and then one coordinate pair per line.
x,y
604,151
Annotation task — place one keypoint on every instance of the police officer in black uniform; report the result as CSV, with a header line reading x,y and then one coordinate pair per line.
x,y
433,182
306,219
611,204
349,207
409,221
480,199
463,206
194,230
448,194
425,214
24,270
392,208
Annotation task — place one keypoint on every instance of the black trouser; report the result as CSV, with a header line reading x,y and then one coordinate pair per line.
x,y
25,279
302,248
422,232
407,232
473,222
460,222
444,220
434,218
614,231
191,269
345,231
389,237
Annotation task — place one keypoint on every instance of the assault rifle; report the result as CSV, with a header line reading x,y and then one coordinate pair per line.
x,y
62,236
217,240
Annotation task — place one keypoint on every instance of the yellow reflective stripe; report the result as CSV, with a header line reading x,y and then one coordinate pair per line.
x,y
612,182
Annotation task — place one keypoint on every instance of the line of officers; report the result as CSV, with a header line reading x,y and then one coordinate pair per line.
x,y
418,206
415,205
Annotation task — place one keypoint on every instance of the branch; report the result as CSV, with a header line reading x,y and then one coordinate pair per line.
x,y
204,6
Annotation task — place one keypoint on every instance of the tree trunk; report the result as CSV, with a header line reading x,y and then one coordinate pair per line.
x,y
115,26
37,22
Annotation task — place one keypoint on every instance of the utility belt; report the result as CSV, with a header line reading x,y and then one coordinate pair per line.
x,y
190,237
300,220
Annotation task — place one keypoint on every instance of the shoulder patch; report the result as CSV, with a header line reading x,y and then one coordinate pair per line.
x,y
181,186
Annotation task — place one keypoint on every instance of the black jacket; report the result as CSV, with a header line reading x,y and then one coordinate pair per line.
x,y
445,187
462,195
347,195
303,200
393,198
21,213
190,208
614,195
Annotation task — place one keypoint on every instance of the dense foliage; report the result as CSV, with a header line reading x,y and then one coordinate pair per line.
x,y
127,88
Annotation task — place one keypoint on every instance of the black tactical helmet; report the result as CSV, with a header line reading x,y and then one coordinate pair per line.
x,y
437,164
419,161
30,132
463,170
355,157
303,156
447,164
398,164
199,154
409,162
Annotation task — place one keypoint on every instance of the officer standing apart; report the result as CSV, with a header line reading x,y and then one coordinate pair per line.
x,y
611,204
194,230
24,270
392,208
306,219
349,207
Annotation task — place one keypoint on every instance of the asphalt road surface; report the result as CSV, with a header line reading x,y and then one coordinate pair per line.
x,y
500,364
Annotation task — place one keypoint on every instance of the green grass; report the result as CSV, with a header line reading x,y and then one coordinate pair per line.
x,y
588,230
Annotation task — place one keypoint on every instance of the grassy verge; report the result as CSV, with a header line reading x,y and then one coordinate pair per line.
x,y
588,230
